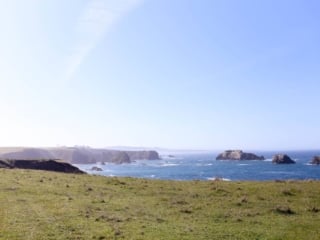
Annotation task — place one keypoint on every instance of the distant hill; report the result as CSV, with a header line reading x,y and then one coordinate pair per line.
x,y
25,153
84,155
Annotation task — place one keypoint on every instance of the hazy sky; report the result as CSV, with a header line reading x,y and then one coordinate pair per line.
x,y
200,74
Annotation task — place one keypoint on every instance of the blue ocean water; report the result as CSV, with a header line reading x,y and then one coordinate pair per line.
x,y
205,167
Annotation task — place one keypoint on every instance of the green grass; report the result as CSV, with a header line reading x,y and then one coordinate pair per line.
x,y
47,205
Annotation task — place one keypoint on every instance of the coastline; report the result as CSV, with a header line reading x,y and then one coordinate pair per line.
x,y
204,166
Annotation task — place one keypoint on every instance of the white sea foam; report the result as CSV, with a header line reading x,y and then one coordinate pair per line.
x,y
169,164
219,179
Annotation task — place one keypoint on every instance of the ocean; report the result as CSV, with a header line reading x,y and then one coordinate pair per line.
x,y
203,166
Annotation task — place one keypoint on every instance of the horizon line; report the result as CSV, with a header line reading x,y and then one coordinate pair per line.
x,y
165,148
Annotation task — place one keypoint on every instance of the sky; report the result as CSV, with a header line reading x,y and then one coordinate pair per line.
x,y
184,74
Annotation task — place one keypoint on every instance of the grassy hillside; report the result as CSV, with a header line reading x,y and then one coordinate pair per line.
x,y
46,205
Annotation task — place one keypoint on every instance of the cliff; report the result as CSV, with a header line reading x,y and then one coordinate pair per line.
x,y
143,155
78,155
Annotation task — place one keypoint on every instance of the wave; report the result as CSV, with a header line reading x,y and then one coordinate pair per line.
x,y
268,160
219,179
309,164
169,164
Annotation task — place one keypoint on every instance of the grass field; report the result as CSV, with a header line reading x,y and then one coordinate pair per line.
x,y
47,205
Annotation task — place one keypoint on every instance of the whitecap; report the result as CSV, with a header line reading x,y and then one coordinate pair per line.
x,y
268,160
169,164
219,179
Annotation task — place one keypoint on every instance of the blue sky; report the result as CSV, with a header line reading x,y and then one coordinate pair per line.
x,y
200,74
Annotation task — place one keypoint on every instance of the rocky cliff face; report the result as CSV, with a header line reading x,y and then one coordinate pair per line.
x,y
315,160
143,155
47,165
120,157
282,159
238,155
78,155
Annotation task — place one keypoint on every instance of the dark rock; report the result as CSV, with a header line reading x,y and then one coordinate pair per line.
x,y
5,164
96,169
282,159
315,160
238,155
47,165
284,210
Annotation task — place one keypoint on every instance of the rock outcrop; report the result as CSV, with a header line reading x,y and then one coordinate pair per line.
x,y
96,169
238,155
315,160
47,165
282,159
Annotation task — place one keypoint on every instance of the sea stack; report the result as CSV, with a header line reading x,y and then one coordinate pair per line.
x,y
282,159
238,155
315,160
96,169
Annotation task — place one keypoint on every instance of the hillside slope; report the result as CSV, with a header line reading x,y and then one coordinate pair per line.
x,y
45,205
